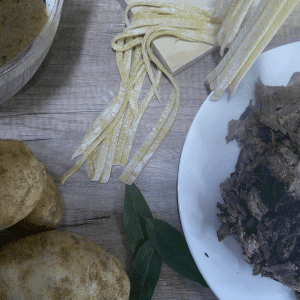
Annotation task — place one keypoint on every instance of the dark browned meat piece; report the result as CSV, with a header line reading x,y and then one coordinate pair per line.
x,y
261,208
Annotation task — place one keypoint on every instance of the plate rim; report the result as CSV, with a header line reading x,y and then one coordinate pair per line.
x,y
295,44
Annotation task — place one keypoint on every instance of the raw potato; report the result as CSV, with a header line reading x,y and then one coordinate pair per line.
x,y
22,179
60,265
49,209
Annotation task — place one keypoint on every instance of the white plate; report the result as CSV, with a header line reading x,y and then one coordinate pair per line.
x,y
206,161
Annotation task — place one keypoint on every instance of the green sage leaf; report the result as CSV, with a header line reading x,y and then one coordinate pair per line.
x,y
144,272
135,206
173,249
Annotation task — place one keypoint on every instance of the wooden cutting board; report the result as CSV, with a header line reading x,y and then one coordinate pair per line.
x,y
176,55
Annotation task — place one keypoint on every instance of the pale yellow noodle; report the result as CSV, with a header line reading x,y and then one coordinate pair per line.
x,y
97,141
237,42
277,23
245,49
177,9
102,122
90,161
106,116
120,62
104,178
101,159
221,9
232,29
127,58
234,4
137,56
129,116
105,158
119,147
133,128
128,46
146,151
161,128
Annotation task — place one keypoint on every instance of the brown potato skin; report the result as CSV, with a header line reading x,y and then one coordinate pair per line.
x,y
49,210
60,265
22,180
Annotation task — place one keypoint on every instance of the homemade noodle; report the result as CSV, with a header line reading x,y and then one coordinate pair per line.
x,y
243,26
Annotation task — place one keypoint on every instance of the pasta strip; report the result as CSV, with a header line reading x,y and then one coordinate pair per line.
x,y
237,42
104,178
123,62
146,151
97,141
101,159
137,55
135,42
246,48
127,58
133,128
221,9
129,117
105,159
106,117
179,22
136,89
230,32
233,7
157,134
120,63
118,150
102,122
282,16
156,16
176,9
90,163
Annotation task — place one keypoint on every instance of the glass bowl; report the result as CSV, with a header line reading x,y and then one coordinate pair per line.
x,y
17,72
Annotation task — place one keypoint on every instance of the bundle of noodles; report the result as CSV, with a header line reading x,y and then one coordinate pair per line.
x,y
246,40
242,25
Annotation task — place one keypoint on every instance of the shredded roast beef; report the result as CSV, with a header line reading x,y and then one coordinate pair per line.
x,y
261,208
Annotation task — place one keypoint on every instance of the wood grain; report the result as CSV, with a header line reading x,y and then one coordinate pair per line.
x,y
52,116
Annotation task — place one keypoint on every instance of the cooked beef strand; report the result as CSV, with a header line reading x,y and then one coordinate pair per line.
x,y
261,208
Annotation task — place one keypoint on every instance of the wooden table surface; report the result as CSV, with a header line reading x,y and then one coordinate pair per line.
x,y
52,116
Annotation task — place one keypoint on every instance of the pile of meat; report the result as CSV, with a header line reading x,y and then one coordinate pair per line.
x,y
261,208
